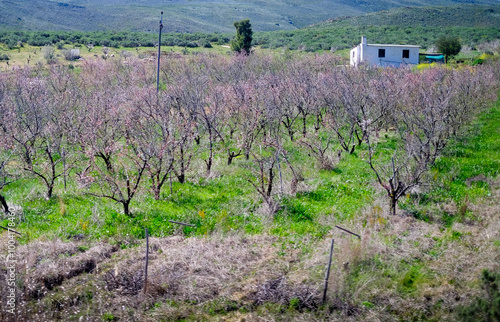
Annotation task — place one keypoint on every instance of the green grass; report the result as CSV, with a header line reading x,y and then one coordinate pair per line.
x,y
228,202
473,154
476,153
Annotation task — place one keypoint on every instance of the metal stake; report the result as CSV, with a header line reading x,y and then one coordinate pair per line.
x,y
181,223
348,231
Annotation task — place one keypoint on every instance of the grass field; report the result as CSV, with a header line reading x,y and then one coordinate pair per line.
x,y
32,55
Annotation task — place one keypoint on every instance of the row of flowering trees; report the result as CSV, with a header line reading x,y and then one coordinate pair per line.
x,y
106,127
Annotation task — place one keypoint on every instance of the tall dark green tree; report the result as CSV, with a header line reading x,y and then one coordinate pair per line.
x,y
243,40
449,46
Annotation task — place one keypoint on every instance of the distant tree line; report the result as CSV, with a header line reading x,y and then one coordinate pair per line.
x,y
110,39
321,37
343,37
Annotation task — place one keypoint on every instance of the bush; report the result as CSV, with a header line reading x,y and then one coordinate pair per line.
x,y
191,45
204,43
49,53
71,54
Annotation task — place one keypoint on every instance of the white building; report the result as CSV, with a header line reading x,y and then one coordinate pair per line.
x,y
384,55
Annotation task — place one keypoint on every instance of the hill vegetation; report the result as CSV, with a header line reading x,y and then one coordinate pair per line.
x,y
189,16
473,24
418,26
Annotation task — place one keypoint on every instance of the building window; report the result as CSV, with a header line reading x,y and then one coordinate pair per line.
x,y
381,53
406,53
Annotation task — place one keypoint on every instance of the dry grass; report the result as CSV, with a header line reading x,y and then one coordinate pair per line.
x,y
374,269
236,278
183,270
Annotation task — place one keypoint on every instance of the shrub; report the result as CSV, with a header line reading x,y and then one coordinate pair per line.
x,y
204,43
49,53
71,54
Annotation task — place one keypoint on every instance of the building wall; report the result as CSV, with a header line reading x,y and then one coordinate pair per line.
x,y
364,53
355,56
393,55
356,53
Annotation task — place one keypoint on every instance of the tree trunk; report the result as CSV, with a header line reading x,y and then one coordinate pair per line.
x,y
317,125
3,201
209,161
289,126
270,183
290,133
360,140
304,127
126,207
50,190
231,156
156,192
393,203
155,185
210,152
181,177
107,160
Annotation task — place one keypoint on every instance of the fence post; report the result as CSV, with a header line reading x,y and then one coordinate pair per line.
x,y
64,167
328,271
279,170
171,191
146,266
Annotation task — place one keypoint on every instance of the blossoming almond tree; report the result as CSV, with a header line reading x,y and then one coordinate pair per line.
x,y
7,148
36,130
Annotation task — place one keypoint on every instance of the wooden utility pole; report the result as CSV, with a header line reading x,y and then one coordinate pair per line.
x,y
159,54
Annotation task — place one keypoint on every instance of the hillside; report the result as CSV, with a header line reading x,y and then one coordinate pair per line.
x,y
468,15
421,26
474,24
189,16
